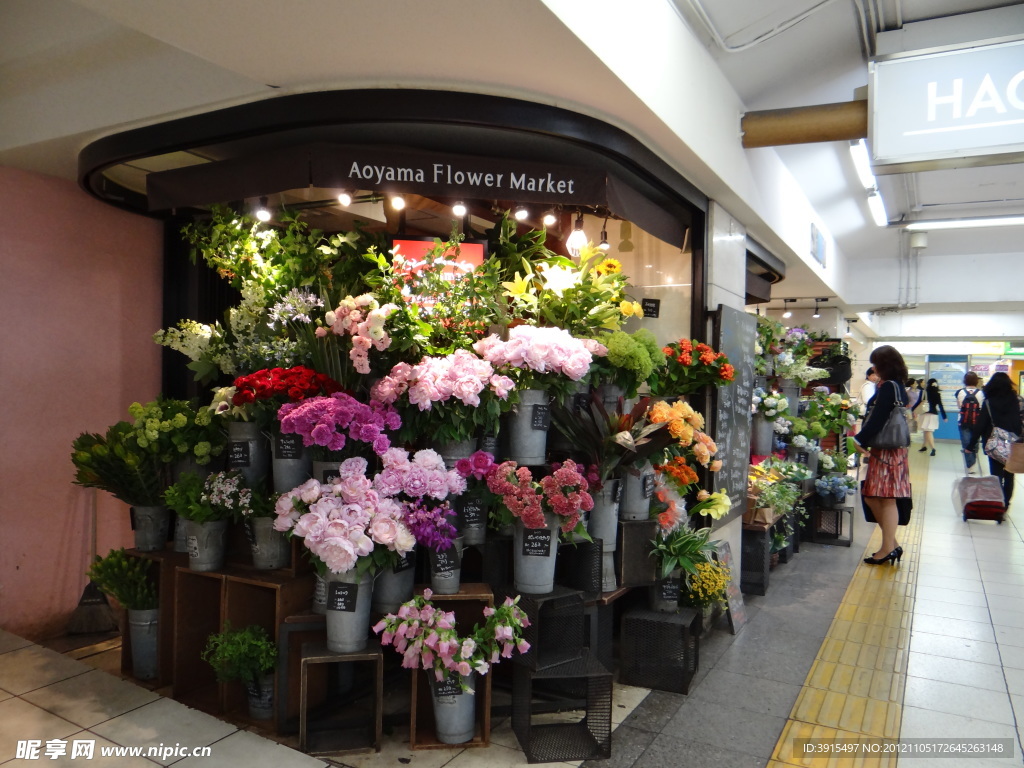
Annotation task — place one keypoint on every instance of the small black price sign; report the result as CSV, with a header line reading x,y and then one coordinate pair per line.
x,y
473,511
580,401
669,589
328,474
342,596
489,443
405,562
651,307
288,446
445,562
541,419
648,481
238,454
448,687
536,542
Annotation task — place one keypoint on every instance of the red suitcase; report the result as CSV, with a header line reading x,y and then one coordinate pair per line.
x,y
979,498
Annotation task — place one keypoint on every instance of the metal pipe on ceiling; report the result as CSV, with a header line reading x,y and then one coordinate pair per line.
x,y
844,121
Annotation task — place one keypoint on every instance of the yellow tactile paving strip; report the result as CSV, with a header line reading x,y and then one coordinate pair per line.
x,y
855,687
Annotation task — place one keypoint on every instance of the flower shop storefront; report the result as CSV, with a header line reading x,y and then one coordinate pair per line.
x,y
403,407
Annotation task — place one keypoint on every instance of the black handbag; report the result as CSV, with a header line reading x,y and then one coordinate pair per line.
x,y
896,432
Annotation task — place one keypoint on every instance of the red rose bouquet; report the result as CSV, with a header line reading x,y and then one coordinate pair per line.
x,y
265,391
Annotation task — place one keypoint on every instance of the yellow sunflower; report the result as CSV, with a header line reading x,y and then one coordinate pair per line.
x,y
609,267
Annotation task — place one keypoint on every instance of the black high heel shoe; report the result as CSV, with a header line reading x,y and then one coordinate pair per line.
x,y
893,557
922,450
932,453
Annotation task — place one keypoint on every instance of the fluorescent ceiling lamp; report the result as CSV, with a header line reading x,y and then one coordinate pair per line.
x,y
862,164
998,221
877,208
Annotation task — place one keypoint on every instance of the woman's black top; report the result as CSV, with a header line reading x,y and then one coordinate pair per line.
x,y
879,408
1002,411
935,401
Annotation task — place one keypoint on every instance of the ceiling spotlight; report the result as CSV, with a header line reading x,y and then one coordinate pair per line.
x,y
550,219
577,239
344,198
459,209
816,312
603,245
263,213
397,202
521,213
788,313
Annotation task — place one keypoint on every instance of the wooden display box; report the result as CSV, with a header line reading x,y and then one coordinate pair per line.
x,y
634,565
346,737
468,607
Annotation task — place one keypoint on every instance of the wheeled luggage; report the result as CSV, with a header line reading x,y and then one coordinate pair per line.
x,y
979,498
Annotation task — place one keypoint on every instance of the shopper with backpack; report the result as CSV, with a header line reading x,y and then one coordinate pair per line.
x,y
969,400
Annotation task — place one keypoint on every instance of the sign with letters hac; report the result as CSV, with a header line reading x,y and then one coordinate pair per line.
x,y
933,110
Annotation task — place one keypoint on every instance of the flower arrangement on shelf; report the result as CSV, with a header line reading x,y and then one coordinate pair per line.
x,y
832,461
781,497
690,366
535,357
265,391
715,505
835,412
173,430
430,524
835,485
113,462
706,587
330,423
455,396
126,579
428,639
630,361
804,431
790,366
346,523
241,655
220,496
677,545
563,493
769,404
362,319
790,471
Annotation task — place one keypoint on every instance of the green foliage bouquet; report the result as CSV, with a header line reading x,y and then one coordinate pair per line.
x,y
630,361
114,463
173,430
240,654
126,579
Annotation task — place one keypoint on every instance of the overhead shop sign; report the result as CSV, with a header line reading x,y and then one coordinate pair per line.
x,y
948,109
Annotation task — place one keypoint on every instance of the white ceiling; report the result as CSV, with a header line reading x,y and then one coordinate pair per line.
x,y
72,71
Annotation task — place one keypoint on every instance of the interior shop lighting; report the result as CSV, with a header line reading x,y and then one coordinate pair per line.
x,y
550,219
397,202
521,213
577,239
459,209
995,221
788,313
263,213
862,164
604,245
816,312
877,208
345,198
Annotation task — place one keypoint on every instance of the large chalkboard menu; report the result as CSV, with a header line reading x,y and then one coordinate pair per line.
x,y
735,332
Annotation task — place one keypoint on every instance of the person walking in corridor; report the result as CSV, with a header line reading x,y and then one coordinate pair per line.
x,y
1002,409
930,418
969,400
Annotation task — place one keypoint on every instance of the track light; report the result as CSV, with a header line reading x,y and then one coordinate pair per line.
x,y
603,245
397,202
344,198
577,239
459,209
816,312
788,313
550,219
521,213
262,213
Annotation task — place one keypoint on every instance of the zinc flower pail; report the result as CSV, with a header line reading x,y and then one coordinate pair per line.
x,y
604,517
446,569
248,451
260,693
394,585
291,462
143,633
637,491
151,525
534,556
349,597
270,548
762,434
454,708
663,595
453,450
528,425
206,544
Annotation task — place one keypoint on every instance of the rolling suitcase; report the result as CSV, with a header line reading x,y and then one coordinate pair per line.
x,y
979,498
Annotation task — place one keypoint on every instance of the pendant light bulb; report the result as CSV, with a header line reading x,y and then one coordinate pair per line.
x,y
345,198
397,202
459,209
521,213
604,245
550,219
577,239
262,213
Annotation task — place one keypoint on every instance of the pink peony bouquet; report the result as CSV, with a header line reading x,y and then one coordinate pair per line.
x,y
335,421
363,319
563,492
427,638
456,394
346,523
534,350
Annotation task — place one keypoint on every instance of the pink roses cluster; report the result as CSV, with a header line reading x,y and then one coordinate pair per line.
x,y
363,319
332,421
343,520
563,492
423,475
461,375
541,349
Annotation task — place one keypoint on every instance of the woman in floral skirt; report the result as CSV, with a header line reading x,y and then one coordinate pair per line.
x,y
888,474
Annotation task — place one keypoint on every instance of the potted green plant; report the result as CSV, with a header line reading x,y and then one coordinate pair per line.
x,y
126,579
248,656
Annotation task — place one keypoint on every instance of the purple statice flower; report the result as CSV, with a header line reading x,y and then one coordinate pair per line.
x,y
430,524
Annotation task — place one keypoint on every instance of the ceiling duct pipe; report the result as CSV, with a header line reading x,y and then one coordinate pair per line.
x,y
845,121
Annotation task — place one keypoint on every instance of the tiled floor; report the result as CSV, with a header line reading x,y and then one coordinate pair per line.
x,y
836,649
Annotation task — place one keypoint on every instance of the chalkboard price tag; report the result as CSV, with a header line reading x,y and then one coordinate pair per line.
x,y
473,511
541,419
445,562
669,589
536,542
405,562
489,443
342,596
329,473
238,454
648,484
651,307
580,401
448,687
288,446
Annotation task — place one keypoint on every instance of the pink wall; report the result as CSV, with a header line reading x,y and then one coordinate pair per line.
x,y
80,297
